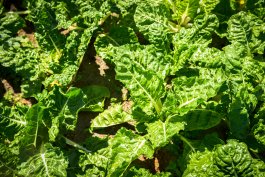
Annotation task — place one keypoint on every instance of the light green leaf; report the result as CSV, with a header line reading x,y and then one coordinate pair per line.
x,y
122,150
259,132
188,41
49,162
35,127
152,21
189,92
65,107
201,164
114,115
12,119
186,11
145,57
160,133
134,172
146,87
208,5
246,29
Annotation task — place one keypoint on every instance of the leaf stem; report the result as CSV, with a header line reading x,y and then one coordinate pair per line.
x,y
18,12
187,142
9,168
74,144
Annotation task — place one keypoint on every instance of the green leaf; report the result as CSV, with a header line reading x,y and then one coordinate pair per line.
x,y
49,162
114,115
160,133
145,57
259,132
152,19
208,5
11,22
201,164
134,172
201,119
35,130
117,36
95,95
257,7
189,92
146,87
246,29
65,107
231,159
122,150
12,119
188,41
239,111
186,11
9,159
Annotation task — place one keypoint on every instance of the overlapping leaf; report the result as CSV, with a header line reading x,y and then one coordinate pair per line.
x,y
112,116
232,159
247,30
153,22
49,162
160,133
122,150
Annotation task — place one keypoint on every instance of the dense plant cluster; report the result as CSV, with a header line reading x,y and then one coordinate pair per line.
x,y
185,95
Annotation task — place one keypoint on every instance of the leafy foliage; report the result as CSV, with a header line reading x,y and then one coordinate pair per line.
x,y
193,94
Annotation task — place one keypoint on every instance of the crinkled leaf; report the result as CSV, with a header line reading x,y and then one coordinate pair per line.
x,y
9,160
114,115
12,119
65,107
208,5
146,88
49,162
186,11
247,30
187,41
189,92
145,57
259,132
257,7
134,172
201,164
122,150
160,133
152,21
35,130
231,159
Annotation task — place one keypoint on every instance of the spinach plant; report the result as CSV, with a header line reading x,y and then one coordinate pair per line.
x,y
192,73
